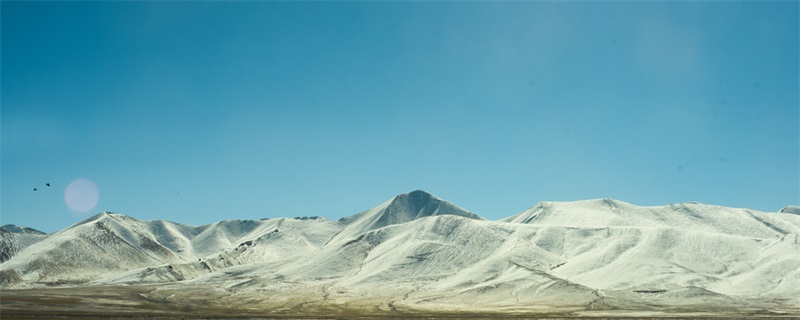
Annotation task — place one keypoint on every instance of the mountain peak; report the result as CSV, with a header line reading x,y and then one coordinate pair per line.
x,y
96,217
419,193
791,210
100,216
418,204
416,197
403,208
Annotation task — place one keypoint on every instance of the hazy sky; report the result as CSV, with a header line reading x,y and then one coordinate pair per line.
x,y
203,111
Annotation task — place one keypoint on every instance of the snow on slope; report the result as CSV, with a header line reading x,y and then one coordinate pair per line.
x,y
557,254
110,243
14,238
301,239
274,240
609,244
451,258
444,258
416,250
101,244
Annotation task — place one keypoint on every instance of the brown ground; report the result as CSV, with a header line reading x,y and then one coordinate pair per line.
x,y
136,302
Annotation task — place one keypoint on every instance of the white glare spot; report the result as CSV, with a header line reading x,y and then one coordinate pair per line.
x,y
81,195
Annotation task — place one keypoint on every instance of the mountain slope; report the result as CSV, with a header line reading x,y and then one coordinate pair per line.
x,y
609,244
110,243
454,260
272,242
14,238
99,245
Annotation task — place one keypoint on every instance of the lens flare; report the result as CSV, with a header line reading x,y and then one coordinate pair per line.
x,y
81,195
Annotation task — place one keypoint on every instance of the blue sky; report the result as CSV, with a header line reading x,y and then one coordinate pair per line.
x,y
202,111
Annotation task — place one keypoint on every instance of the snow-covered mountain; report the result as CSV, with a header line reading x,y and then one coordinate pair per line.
x,y
418,252
15,238
110,244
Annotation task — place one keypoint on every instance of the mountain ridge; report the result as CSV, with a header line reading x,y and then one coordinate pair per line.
x,y
20,229
789,209
416,250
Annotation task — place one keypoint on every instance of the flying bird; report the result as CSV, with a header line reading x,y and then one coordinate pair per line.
x,y
34,189
47,184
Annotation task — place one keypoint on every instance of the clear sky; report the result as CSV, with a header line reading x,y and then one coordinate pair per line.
x,y
202,111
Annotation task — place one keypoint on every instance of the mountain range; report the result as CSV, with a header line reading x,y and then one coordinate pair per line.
x,y
416,254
